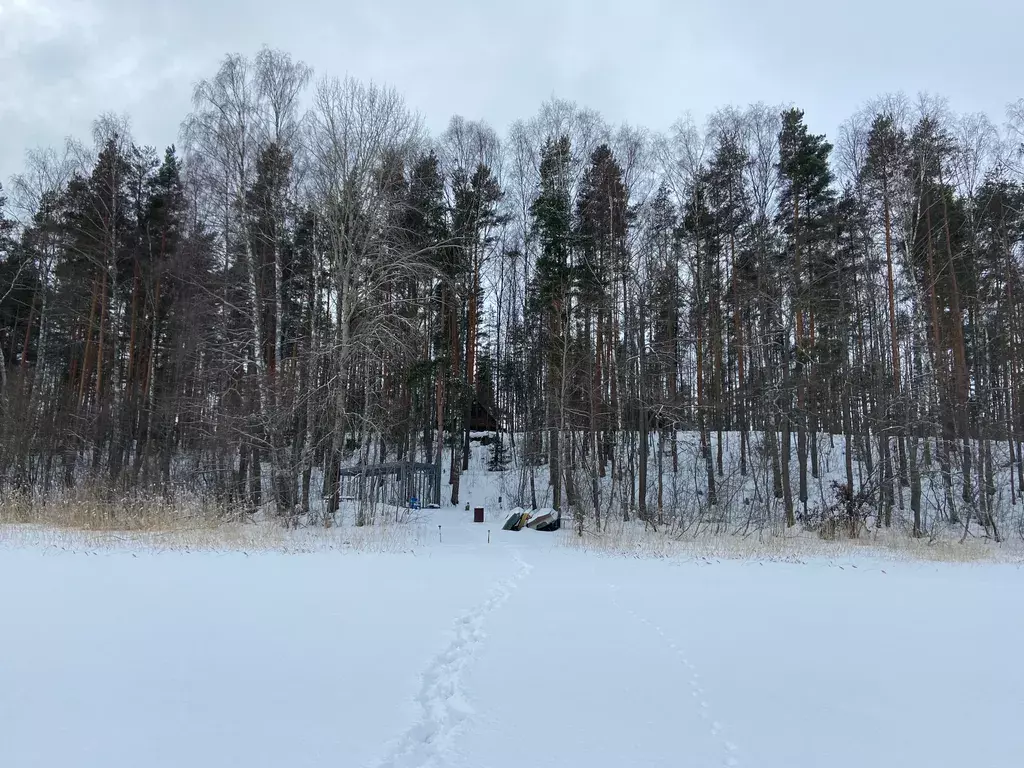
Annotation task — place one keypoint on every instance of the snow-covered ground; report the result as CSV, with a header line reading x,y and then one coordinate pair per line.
x,y
514,653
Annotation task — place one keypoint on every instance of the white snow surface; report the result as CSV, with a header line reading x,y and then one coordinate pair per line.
x,y
518,653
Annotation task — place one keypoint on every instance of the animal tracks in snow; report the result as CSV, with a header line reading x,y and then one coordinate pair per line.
x,y
442,700
715,727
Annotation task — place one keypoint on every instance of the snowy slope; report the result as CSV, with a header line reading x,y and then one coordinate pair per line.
x,y
516,653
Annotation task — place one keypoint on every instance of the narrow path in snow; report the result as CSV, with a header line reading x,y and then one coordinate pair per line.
x,y
705,710
442,699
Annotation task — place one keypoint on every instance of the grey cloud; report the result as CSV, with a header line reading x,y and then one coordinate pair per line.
x,y
645,61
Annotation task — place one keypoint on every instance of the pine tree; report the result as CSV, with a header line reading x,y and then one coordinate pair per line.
x,y
730,211
700,224
602,218
428,230
552,224
887,148
1000,236
663,234
159,278
475,216
804,215
939,270
6,225
17,307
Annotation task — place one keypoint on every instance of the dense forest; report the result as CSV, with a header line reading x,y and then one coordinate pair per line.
x,y
309,282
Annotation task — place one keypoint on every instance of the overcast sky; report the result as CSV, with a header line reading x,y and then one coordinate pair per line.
x,y
62,62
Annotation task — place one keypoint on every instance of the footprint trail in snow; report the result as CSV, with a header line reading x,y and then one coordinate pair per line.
x,y
442,699
716,728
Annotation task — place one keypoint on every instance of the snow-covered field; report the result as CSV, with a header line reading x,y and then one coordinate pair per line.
x,y
516,653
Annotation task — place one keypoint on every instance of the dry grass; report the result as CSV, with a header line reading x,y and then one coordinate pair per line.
x,y
88,510
793,546
86,521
